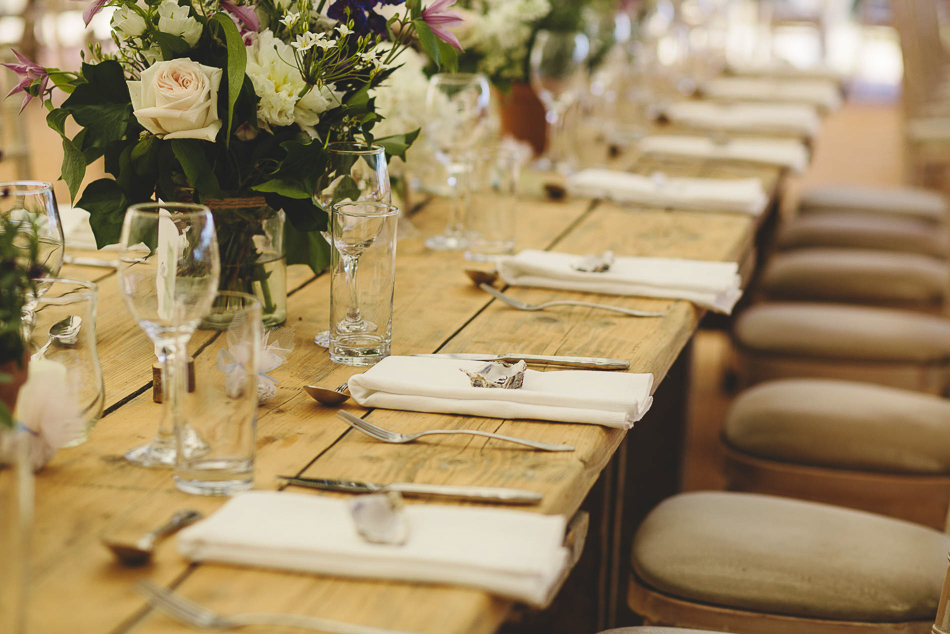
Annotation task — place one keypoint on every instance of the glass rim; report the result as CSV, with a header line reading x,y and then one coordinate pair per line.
x,y
390,210
153,208
352,148
459,77
90,289
35,187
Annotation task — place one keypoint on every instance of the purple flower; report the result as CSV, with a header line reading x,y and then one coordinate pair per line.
x,y
361,13
440,20
33,75
244,13
94,7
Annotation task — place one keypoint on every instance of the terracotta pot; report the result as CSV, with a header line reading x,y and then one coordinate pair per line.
x,y
10,390
522,116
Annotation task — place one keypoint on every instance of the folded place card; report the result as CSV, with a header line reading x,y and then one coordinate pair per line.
x,y
420,384
739,195
789,153
514,554
712,285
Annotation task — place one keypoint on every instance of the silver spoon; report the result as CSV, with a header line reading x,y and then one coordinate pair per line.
x,y
65,332
482,277
326,396
140,551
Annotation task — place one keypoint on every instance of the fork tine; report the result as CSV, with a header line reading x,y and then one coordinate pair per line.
x,y
366,426
175,605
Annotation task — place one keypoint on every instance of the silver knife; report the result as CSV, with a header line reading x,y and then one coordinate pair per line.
x,y
513,357
482,494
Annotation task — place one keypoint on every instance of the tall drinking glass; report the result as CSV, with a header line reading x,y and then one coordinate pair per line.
x,y
168,276
494,187
362,281
33,203
356,172
557,72
457,123
221,412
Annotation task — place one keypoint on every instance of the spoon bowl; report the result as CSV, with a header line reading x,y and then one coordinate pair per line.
x,y
139,552
64,332
326,396
479,276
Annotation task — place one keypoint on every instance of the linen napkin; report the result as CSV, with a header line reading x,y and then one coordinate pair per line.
x,y
784,70
822,93
425,384
800,119
740,195
713,285
511,553
788,153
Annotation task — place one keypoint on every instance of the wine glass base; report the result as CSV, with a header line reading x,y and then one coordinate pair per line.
x,y
155,455
322,339
447,243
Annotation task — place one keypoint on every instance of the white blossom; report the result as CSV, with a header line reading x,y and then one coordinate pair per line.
x,y
127,23
290,19
344,30
176,20
305,41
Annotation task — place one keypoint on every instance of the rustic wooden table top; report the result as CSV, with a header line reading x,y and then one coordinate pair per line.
x,y
89,491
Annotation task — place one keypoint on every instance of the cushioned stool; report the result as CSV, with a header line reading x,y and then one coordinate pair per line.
x,y
648,629
905,202
758,564
856,275
879,233
877,345
859,445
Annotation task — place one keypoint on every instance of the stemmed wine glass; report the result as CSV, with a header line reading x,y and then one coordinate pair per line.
x,y
33,204
457,123
356,172
168,276
557,69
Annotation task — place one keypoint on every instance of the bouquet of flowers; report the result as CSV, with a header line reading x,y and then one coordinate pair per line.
x,y
220,99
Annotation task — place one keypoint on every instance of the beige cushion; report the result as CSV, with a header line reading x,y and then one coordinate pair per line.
x,y
839,331
896,201
881,233
783,556
842,424
856,275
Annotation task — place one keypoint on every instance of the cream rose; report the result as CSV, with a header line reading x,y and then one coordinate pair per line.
x,y
178,99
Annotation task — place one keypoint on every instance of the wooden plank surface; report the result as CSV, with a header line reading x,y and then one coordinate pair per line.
x,y
89,490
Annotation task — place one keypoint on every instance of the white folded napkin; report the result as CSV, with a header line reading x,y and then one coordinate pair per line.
x,y
425,384
511,553
801,119
713,285
740,195
822,93
789,153
783,70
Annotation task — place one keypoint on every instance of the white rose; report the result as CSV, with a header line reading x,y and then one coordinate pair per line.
x,y
176,20
178,99
128,23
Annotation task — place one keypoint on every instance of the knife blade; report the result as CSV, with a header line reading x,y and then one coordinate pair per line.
x,y
481,494
596,363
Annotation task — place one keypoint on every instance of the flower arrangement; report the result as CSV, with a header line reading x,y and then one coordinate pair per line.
x,y
215,99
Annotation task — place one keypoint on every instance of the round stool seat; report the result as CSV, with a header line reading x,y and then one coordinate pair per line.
x,y
856,275
839,331
889,201
879,233
788,557
649,629
842,424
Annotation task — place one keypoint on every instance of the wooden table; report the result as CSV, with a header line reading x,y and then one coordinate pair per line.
x,y
90,490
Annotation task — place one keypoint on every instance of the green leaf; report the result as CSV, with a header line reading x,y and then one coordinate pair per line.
x,y
304,215
415,8
284,187
308,248
450,56
74,165
142,147
237,64
428,40
106,203
101,106
172,46
397,144
191,155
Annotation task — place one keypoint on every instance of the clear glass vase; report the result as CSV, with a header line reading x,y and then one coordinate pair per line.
x,y
16,520
253,260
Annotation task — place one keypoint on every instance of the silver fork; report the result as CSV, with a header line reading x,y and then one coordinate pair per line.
x,y
385,435
190,613
520,305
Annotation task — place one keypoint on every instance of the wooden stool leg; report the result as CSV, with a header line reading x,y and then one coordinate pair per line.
x,y
942,623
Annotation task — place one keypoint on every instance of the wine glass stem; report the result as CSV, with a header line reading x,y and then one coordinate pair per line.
x,y
350,265
172,356
555,119
458,181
